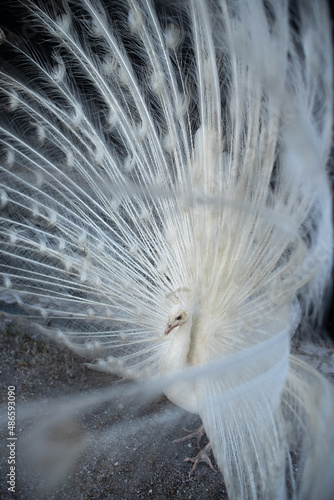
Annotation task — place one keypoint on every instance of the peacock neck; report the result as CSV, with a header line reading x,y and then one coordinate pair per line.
x,y
179,348
181,393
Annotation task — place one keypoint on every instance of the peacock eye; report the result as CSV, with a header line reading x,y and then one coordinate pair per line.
x,y
178,317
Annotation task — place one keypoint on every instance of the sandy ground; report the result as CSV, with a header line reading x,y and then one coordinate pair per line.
x,y
136,464
119,450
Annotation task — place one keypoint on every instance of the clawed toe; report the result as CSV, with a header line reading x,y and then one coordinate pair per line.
x,y
197,433
202,456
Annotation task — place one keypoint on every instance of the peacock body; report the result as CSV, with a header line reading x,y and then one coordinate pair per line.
x,y
166,209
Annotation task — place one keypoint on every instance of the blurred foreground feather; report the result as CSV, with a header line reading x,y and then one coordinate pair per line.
x,y
166,212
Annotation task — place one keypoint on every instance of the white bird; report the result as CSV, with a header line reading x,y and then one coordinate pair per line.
x,y
165,208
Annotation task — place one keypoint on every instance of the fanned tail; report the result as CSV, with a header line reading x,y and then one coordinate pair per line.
x,y
172,151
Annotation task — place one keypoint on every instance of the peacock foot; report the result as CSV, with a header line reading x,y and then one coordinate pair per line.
x,y
197,433
202,455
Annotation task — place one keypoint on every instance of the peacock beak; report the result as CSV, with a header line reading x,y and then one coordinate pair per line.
x,y
169,328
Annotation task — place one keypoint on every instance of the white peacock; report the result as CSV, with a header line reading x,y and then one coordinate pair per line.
x,y
166,207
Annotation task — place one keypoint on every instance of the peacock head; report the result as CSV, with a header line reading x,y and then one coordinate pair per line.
x,y
176,317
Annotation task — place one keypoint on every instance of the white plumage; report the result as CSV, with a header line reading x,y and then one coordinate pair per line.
x,y
165,208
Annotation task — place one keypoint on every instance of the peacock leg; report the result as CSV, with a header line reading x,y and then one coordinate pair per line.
x,y
202,455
